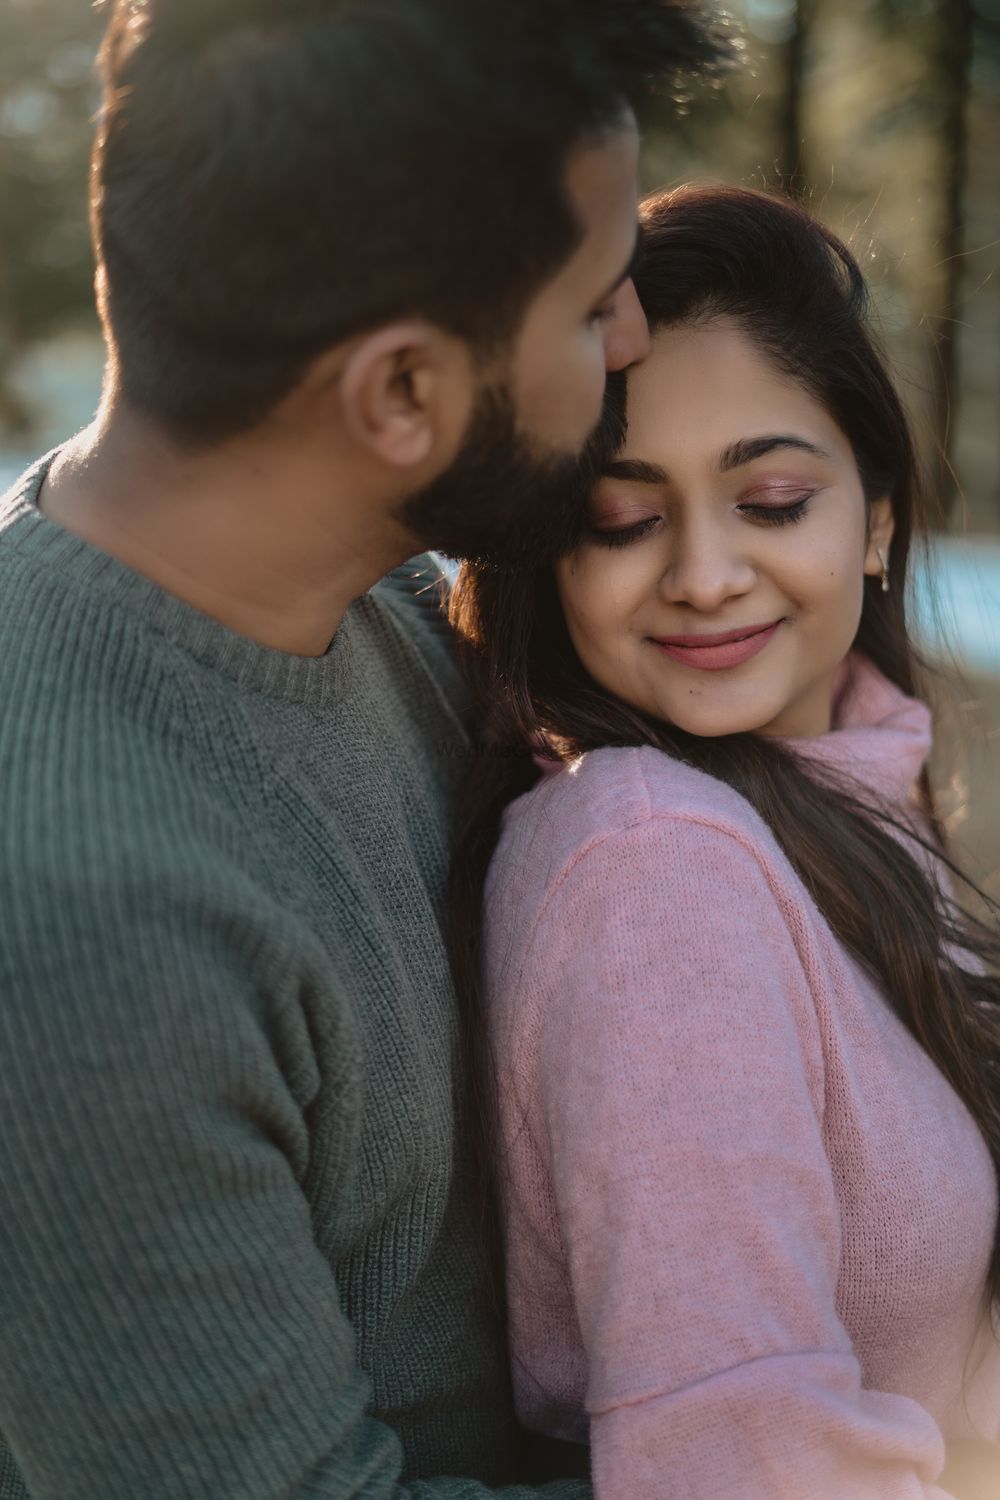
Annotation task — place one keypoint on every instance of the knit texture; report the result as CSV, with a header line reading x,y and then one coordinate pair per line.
x,y
749,1222
236,1232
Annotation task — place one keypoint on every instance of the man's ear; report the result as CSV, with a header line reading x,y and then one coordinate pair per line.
x,y
881,524
404,392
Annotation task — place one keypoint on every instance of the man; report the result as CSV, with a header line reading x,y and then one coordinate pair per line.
x,y
362,269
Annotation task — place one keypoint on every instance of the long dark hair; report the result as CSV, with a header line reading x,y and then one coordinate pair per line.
x,y
765,264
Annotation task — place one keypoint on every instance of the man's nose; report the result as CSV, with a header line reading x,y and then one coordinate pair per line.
x,y
626,336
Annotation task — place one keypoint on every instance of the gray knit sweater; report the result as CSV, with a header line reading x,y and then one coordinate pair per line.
x,y
237,1249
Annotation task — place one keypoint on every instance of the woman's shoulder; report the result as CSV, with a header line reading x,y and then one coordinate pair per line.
x,y
646,871
613,787
615,795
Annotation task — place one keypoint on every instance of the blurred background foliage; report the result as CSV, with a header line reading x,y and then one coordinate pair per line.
x,y
882,115
47,98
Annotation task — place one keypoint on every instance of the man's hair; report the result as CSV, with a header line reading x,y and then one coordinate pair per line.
x,y
274,176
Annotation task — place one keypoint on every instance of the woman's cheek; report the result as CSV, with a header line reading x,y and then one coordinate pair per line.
x,y
821,569
578,592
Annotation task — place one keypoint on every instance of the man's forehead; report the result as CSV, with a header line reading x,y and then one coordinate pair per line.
x,y
602,183
602,171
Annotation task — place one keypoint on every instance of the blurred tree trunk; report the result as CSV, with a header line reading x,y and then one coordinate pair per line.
x,y
954,65
792,168
985,44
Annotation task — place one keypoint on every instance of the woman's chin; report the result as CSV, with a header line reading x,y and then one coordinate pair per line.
x,y
712,722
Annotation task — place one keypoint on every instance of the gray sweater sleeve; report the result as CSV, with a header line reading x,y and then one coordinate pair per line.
x,y
168,1326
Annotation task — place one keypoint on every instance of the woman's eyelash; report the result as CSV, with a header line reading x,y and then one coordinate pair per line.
x,y
622,535
771,515
778,515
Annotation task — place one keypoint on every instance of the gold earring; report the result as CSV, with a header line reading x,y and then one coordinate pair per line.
x,y
885,569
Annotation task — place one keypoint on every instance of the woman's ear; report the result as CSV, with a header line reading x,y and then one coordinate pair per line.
x,y
398,390
881,525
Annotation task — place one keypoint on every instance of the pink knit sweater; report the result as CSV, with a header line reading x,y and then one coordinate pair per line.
x,y
748,1221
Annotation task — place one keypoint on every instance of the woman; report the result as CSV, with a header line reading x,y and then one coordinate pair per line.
x,y
745,1049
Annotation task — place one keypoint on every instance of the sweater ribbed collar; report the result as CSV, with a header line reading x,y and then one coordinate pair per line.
x,y
881,738
254,667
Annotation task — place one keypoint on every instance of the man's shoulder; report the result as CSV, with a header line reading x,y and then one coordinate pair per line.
x,y
91,787
424,579
415,597
114,823
77,676
416,594
99,748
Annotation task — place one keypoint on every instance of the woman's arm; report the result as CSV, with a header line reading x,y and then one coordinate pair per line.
x,y
679,1070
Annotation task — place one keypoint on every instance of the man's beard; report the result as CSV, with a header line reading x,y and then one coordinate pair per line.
x,y
502,502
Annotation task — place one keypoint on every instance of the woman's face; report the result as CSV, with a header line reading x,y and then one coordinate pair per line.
x,y
720,582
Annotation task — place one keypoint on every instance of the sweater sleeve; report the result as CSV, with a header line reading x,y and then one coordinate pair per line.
x,y
168,1325
673,1066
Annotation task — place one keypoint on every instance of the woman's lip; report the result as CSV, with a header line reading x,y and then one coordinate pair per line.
x,y
712,653
719,638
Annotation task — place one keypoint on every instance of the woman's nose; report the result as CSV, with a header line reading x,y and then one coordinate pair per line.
x,y
626,332
705,570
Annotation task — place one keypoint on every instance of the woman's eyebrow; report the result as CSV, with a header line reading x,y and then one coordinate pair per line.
x,y
635,470
745,450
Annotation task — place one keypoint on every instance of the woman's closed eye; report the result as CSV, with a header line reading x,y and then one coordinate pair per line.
x,y
620,536
767,513
777,514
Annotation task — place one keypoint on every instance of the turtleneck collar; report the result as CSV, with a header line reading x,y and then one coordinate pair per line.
x,y
880,737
